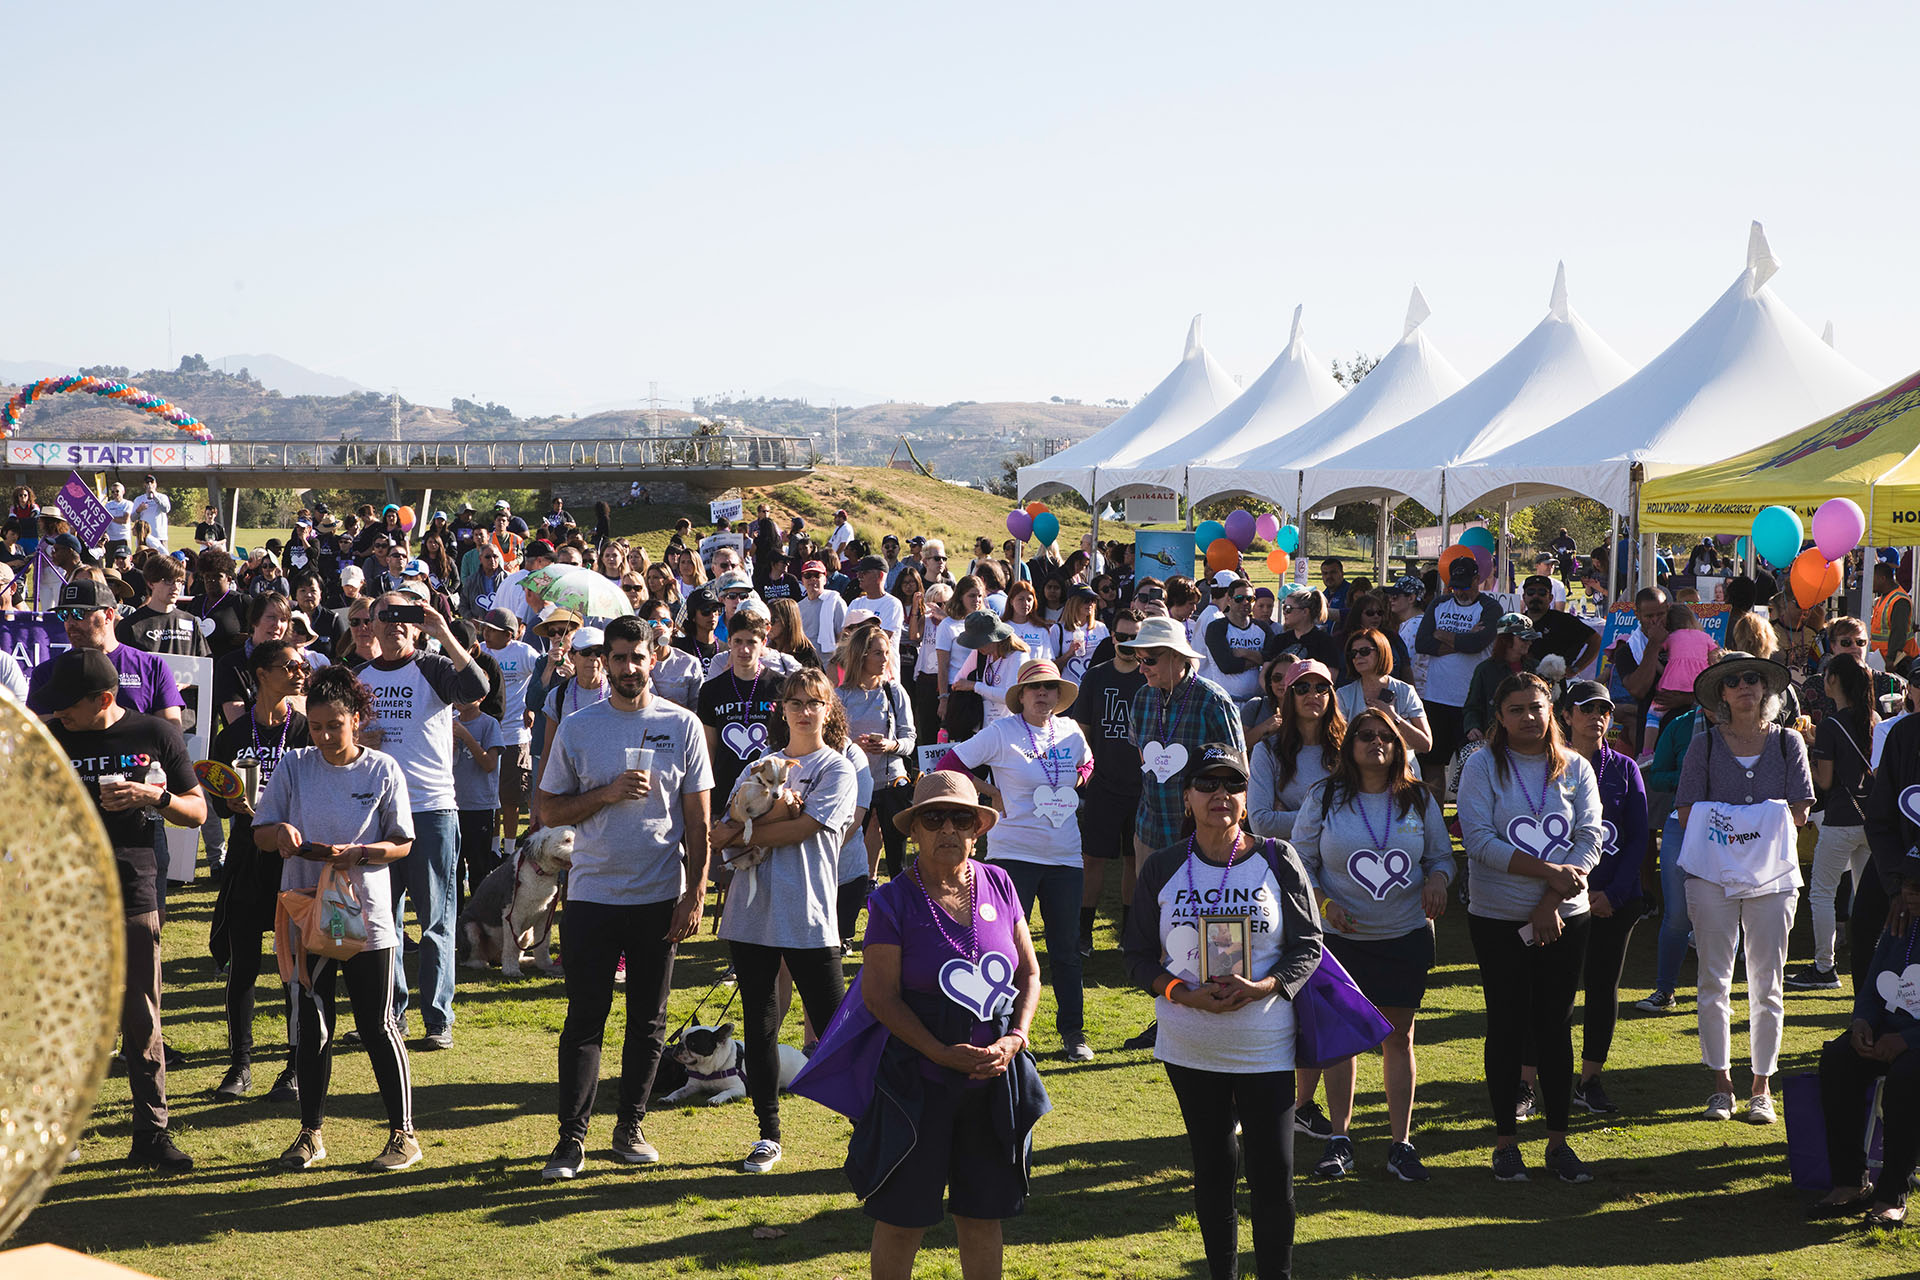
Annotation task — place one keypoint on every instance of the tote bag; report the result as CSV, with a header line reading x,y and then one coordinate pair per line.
x,y
1332,1019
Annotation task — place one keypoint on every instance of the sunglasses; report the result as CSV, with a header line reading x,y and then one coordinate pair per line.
x,y
941,559
289,666
735,597
1291,607
1125,637
1739,678
1373,735
937,819
1208,785
361,622
1043,685
1598,706
1313,687
1360,653
74,613
1241,599
1148,659
1851,642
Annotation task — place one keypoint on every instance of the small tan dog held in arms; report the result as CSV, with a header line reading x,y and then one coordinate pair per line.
x,y
512,909
758,793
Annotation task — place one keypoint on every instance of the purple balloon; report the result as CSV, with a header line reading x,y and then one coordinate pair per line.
x,y
1019,525
1240,528
1726,539
1838,526
1483,558
1266,527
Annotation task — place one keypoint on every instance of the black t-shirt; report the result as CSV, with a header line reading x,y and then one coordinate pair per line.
x,y
701,649
174,631
130,747
742,713
215,532
233,681
766,539
1102,708
1316,644
1560,633
784,587
247,743
1846,746
228,614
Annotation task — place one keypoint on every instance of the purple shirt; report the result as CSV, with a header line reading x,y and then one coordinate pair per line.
x,y
146,683
899,914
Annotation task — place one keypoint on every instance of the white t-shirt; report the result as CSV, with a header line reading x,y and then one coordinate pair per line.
x,y
1409,632
119,510
1038,637
842,534
1258,1037
154,508
518,660
1073,662
1023,760
947,639
1449,675
892,614
1247,643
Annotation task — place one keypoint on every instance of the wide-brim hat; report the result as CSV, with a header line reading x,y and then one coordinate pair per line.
x,y
982,627
946,789
1163,633
1706,686
1042,671
558,617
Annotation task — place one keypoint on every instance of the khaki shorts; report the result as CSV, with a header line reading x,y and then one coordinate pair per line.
x,y
516,774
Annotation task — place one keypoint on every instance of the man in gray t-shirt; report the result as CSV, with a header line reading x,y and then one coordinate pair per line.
x,y
638,882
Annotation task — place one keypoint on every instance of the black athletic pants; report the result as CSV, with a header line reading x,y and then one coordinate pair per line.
x,y
593,937
369,978
819,983
1529,993
1210,1102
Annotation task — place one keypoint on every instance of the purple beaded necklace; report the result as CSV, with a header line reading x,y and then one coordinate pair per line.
x,y
1225,875
1379,838
1546,772
1048,765
972,950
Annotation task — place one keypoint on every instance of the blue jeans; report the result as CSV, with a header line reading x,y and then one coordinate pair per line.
x,y
1058,889
1674,924
430,875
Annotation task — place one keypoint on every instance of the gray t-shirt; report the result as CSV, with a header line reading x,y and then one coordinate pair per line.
x,y
1380,887
678,677
791,899
1406,702
629,853
360,803
853,850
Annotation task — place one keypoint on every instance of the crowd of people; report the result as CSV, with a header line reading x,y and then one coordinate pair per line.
x,y
797,727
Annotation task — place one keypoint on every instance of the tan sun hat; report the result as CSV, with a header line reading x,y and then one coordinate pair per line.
x,y
1041,671
946,789
1163,633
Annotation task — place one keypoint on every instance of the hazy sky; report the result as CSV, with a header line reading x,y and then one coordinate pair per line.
x,y
551,205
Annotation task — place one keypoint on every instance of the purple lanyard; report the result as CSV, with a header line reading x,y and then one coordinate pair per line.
x,y
972,950
1546,770
1379,839
1224,875
208,610
753,698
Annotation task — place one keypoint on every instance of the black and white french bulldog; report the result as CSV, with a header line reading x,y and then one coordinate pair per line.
x,y
716,1066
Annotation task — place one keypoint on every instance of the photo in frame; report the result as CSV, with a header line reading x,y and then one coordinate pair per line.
x,y
1226,947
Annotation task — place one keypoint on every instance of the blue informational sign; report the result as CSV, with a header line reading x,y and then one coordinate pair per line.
x,y
1163,555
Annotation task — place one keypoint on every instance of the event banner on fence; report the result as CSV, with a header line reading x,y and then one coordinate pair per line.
x,y
84,510
93,455
1623,622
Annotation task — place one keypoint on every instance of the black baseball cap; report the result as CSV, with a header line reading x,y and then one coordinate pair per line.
x,y
1464,569
1581,692
85,593
1217,757
870,564
79,674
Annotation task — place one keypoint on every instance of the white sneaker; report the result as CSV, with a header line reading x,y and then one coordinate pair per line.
x,y
1720,1107
765,1155
1760,1109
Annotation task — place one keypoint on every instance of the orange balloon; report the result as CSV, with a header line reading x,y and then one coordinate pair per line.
x,y
1451,554
406,517
1813,577
1222,554
1279,561
1035,507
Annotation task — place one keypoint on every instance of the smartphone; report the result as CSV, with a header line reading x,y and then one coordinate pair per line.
x,y
404,613
1385,695
318,852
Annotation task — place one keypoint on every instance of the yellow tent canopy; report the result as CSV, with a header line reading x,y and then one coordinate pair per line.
x,y
1869,452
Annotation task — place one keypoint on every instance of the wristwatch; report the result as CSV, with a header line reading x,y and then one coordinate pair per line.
x,y
164,799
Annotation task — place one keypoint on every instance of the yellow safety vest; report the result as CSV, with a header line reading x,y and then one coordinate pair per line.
x,y
1882,624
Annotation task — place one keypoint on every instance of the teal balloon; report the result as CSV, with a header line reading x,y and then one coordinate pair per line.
x,y
1046,527
1289,538
1740,548
1477,537
1208,532
1777,534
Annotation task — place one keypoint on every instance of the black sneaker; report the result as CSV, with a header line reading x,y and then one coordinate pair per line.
x,y
1658,1002
156,1150
1812,978
631,1145
568,1158
1593,1096
1524,1103
1509,1165
1403,1162
1337,1160
237,1083
176,1060
1567,1166
286,1086
1310,1121
1146,1040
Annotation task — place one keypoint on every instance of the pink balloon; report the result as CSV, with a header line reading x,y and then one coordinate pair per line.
x,y
1838,526
1483,558
1266,527
1019,525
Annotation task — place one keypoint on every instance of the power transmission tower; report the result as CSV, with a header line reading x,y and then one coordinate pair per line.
x,y
836,433
653,408
393,406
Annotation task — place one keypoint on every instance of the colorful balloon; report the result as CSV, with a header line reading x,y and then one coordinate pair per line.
x,y
1222,554
1838,526
1019,525
407,518
1477,537
1208,533
132,397
1046,527
1484,558
1279,561
1034,509
1288,539
1266,526
1813,577
1448,556
1777,535
1239,528
1740,547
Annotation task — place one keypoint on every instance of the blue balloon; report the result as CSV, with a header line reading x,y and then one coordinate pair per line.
x,y
1477,537
1046,527
1289,539
1777,534
1740,548
1208,532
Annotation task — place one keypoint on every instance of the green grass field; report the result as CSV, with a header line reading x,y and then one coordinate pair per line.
x,y
1673,1196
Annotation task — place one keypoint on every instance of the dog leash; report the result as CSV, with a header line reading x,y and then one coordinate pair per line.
x,y
675,1037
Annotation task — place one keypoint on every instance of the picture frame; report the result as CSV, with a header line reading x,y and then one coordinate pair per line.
x,y
1226,947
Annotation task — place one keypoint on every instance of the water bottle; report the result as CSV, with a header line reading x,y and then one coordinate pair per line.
x,y
337,926
940,737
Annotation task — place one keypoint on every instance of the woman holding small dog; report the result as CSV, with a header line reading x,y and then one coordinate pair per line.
x,y
310,814
786,907
1039,759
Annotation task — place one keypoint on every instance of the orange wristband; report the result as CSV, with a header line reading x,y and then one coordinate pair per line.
x,y
1171,984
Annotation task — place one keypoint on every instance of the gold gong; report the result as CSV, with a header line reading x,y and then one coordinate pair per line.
x,y
62,959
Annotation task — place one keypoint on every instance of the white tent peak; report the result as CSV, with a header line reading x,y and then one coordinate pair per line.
x,y
1557,306
1193,336
1760,260
1293,334
1417,312
1826,335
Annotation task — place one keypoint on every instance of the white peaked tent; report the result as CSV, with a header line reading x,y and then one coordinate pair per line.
x,y
1295,387
1747,371
1197,389
1558,367
1410,378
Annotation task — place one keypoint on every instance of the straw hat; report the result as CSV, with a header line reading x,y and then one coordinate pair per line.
x,y
1732,662
946,789
1163,633
1041,671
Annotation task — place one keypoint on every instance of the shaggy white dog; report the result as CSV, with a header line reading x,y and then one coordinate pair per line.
x,y
512,910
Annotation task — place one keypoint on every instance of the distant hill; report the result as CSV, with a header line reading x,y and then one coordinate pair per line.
x,y
277,373
16,372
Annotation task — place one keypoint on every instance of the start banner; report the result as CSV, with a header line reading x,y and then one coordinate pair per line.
x,y
107,455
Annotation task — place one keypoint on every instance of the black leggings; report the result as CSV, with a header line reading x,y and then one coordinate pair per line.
x,y
1607,941
817,980
1210,1102
476,849
593,937
1529,993
1866,920
369,978
853,896
889,803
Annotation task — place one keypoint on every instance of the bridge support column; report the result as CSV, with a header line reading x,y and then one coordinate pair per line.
x,y
393,490
423,514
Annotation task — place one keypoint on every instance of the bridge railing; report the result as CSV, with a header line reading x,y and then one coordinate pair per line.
x,y
777,453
